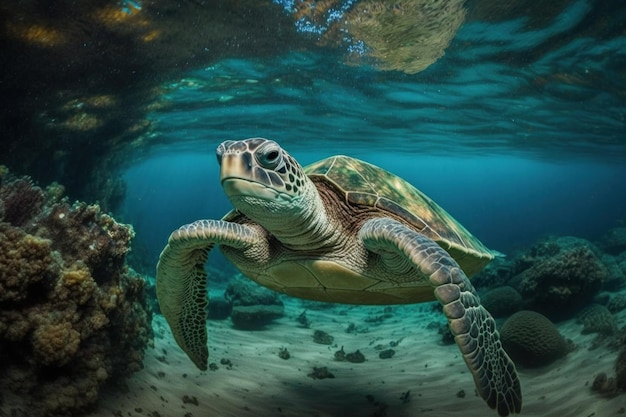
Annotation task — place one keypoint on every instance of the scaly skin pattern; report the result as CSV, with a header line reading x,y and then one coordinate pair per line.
x,y
474,329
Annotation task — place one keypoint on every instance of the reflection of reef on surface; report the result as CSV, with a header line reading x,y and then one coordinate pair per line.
x,y
405,35
73,316
408,35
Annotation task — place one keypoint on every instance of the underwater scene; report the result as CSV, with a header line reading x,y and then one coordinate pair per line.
x,y
323,208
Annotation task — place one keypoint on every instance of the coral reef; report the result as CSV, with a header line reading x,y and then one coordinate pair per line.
x,y
496,274
72,315
614,241
561,284
611,386
532,340
596,318
502,301
616,279
21,201
617,303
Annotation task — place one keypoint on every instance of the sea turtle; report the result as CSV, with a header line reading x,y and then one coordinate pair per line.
x,y
340,230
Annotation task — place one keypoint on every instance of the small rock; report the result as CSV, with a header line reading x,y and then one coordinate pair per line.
x,y
323,338
190,400
256,316
321,373
355,357
387,354
283,353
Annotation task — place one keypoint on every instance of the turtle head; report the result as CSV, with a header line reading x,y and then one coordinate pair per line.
x,y
261,179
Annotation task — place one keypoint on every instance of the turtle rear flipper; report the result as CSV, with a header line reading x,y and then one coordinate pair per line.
x,y
181,280
473,327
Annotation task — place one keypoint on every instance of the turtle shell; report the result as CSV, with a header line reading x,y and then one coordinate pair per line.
x,y
366,184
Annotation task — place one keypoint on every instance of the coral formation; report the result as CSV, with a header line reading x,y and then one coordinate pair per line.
x,y
502,301
613,385
532,340
495,274
605,385
596,318
614,241
21,201
616,279
72,315
561,284
617,303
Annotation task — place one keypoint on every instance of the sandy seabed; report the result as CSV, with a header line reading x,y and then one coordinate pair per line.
x,y
260,383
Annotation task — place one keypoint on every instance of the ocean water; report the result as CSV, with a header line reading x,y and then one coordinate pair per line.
x,y
517,129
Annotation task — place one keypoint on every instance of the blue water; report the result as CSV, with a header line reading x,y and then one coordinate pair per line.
x,y
519,130
506,201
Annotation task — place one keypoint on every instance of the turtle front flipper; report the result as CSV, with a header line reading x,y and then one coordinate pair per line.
x,y
473,327
181,280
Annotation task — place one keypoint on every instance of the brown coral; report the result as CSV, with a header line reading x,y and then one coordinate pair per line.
x,y
561,284
82,233
532,340
55,343
21,201
72,315
597,319
25,261
617,303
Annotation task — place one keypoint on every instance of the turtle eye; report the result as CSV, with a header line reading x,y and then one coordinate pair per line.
x,y
269,156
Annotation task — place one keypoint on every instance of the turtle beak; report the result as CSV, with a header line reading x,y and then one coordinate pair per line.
x,y
237,177
235,166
